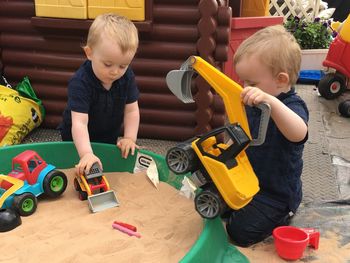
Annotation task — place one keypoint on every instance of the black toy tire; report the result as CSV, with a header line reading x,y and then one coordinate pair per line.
x,y
83,195
344,108
55,183
331,86
25,204
76,185
181,160
209,203
9,219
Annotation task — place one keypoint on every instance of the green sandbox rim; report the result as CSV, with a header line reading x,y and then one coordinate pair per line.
x,y
212,245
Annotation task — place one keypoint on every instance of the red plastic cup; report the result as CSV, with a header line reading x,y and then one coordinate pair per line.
x,y
290,241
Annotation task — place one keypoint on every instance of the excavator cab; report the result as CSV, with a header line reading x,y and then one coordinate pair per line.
x,y
222,170
210,145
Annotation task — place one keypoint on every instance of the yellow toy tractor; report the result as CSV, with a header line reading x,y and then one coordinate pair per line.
x,y
94,187
222,170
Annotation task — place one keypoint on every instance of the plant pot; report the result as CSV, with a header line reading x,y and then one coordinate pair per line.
x,y
311,59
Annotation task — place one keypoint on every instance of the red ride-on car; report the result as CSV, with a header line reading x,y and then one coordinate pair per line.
x,y
336,81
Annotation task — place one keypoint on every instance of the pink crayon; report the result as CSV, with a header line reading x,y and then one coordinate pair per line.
x,y
126,230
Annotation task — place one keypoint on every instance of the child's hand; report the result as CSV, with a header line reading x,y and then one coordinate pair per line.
x,y
253,96
86,162
126,145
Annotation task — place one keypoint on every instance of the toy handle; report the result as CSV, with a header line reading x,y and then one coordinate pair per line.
x,y
314,237
263,124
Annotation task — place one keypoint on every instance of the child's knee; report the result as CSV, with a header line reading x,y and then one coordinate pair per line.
x,y
245,233
241,236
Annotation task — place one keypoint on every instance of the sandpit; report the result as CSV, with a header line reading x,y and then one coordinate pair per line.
x,y
65,230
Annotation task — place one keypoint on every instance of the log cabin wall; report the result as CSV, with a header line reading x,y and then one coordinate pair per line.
x,y
48,51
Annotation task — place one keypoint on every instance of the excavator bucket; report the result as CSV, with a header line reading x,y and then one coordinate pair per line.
x,y
179,82
102,201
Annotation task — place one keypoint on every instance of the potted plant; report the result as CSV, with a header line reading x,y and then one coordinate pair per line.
x,y
314,38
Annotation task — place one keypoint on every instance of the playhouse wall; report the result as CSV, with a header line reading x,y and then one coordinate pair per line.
x,y
48,51
242,28
64,8
83,9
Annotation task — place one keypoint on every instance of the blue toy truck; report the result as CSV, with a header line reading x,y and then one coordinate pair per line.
x,y
30,177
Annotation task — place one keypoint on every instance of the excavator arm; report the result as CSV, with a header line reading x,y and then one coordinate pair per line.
x,y
179,82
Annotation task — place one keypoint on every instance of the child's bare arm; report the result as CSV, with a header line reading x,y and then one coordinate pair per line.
x,y
131,127
82,142
131,120
291,125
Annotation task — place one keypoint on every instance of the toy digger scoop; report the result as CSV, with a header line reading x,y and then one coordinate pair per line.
x,y
102,201
179,82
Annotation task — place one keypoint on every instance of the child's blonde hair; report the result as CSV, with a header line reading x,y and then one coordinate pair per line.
x,y
276,48
118,28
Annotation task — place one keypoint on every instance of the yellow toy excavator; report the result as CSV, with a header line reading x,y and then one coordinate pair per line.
x,y
221,170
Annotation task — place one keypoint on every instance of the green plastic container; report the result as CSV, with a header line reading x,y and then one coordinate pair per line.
x,y
212,245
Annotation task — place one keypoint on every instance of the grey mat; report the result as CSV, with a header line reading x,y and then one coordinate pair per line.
x,y
319,180
330,217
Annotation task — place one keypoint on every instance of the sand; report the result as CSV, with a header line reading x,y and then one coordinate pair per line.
x,y
64,229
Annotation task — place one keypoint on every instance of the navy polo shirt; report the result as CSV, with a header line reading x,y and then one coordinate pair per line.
x,y
104,107
278,162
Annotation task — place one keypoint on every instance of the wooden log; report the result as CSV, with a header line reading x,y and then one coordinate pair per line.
x,y
51,121
164,101
154,67
175,14
17,8
152,84
168,117
16,25
169,50
54,107
166,132
44,59
50,76
39,42
176,33
50,91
